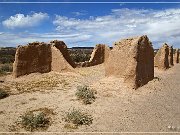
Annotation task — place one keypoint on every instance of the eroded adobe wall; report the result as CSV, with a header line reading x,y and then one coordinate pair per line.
x,y
133,60
35,57
171,56
176,56
42,58
161,59
63,49
99,55
59,61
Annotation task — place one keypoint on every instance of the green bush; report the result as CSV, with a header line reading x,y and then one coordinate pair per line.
x,y
3,94
85,94
2,72
78,117
6,59
80,57
34,121
6,68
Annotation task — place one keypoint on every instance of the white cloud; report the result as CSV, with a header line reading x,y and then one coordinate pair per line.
x,y
160,25
9,39
79,13
21,21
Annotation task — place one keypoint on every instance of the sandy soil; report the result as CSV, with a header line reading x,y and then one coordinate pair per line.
x,y
117,108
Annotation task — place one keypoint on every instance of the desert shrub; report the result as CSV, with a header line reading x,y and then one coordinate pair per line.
x,y
6,59
3,94
78,117
33,121
7,54
85,94
2,72
6,68
80,57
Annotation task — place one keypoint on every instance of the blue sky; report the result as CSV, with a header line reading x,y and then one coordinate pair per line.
x,y
88,24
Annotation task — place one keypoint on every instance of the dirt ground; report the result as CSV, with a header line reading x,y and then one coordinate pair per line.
x,y
117,108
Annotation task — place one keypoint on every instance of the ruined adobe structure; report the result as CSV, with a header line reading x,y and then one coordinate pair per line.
x,y
61,46
99,55
42,58
176,56
35,57
171,56
133,60
161,60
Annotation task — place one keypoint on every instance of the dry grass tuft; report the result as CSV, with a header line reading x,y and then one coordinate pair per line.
x,y
3,93
35,120
30,86
85,94
77,117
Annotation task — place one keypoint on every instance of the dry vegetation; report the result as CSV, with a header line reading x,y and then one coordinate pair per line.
x,y
34,120
47,82
80,55
44,84
5,69
6,60
77,117
3,93
85,94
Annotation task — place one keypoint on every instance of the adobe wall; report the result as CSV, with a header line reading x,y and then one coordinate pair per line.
x,y
42,58
176,56
64,51
161,59
99,55
133,60
59,63
171,62
35,57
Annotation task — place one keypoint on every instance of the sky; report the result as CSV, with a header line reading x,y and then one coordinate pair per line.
x,y
85,24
